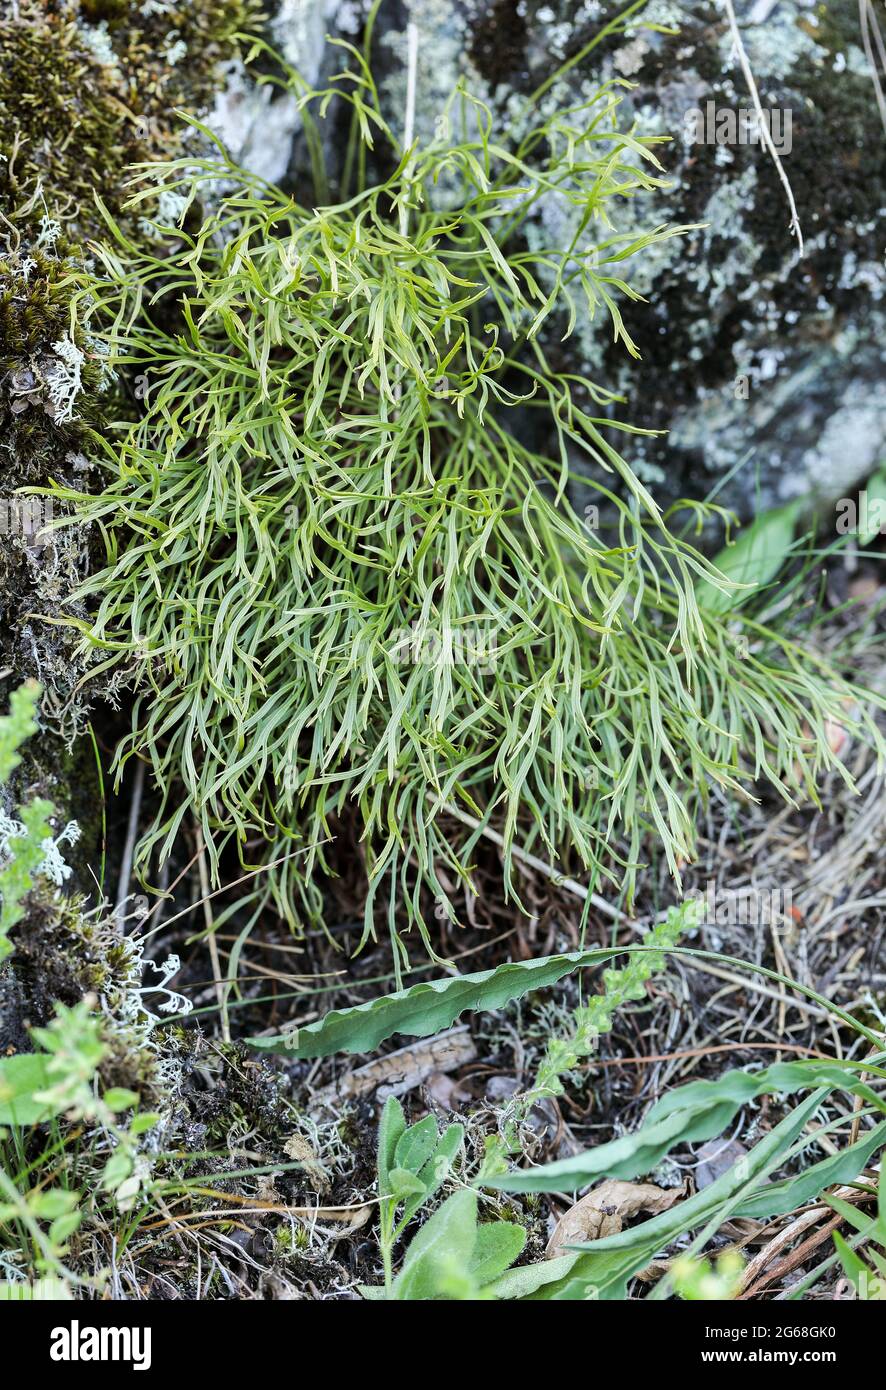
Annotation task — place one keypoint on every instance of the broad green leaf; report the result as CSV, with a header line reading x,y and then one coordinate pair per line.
x,y
143,1122
498,1245
50,1205
64,1226
755,558
20,1077
602,1268
427,1008
116,1170
120,1098
688,1114
603,1276
444,1244
437,1168
403,1183
416,1144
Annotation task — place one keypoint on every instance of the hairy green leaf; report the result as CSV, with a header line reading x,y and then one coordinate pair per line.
x,y
442,1247
20,1077
391,1126
415,1146
497,1246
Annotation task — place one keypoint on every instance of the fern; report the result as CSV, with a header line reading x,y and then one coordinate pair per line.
x,y
341,573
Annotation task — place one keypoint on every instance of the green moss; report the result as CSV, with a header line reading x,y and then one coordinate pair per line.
x,y
85,90
62,953
73,121
834,25
36,292
205,34
63,123
227,1090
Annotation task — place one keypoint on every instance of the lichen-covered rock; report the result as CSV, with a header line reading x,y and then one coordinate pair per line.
x,y
758,363
258,123
87,87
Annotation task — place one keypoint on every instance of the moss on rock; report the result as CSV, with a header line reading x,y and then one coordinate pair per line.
x,y
86,89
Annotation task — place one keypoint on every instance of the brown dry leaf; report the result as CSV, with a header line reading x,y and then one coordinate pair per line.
x,y
865,588
603,1211
352,1220
265,1189
837,736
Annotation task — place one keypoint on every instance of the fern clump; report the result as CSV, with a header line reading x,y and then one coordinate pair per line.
x,y
341,559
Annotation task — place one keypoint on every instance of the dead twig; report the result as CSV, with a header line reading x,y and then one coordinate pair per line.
x,y
765,134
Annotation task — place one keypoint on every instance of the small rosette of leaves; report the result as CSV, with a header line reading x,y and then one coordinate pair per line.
x,y
452,1256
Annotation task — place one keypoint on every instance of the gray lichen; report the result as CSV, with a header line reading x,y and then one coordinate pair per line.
x,y
731,304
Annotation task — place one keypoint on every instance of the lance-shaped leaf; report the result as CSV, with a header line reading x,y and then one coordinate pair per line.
x,y
602,1269
754,559
688,1114
391,1126
428,1007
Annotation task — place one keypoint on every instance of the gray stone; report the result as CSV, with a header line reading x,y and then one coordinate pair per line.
x,y
759,364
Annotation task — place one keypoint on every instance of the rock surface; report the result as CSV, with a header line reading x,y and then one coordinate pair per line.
x,y
765,368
